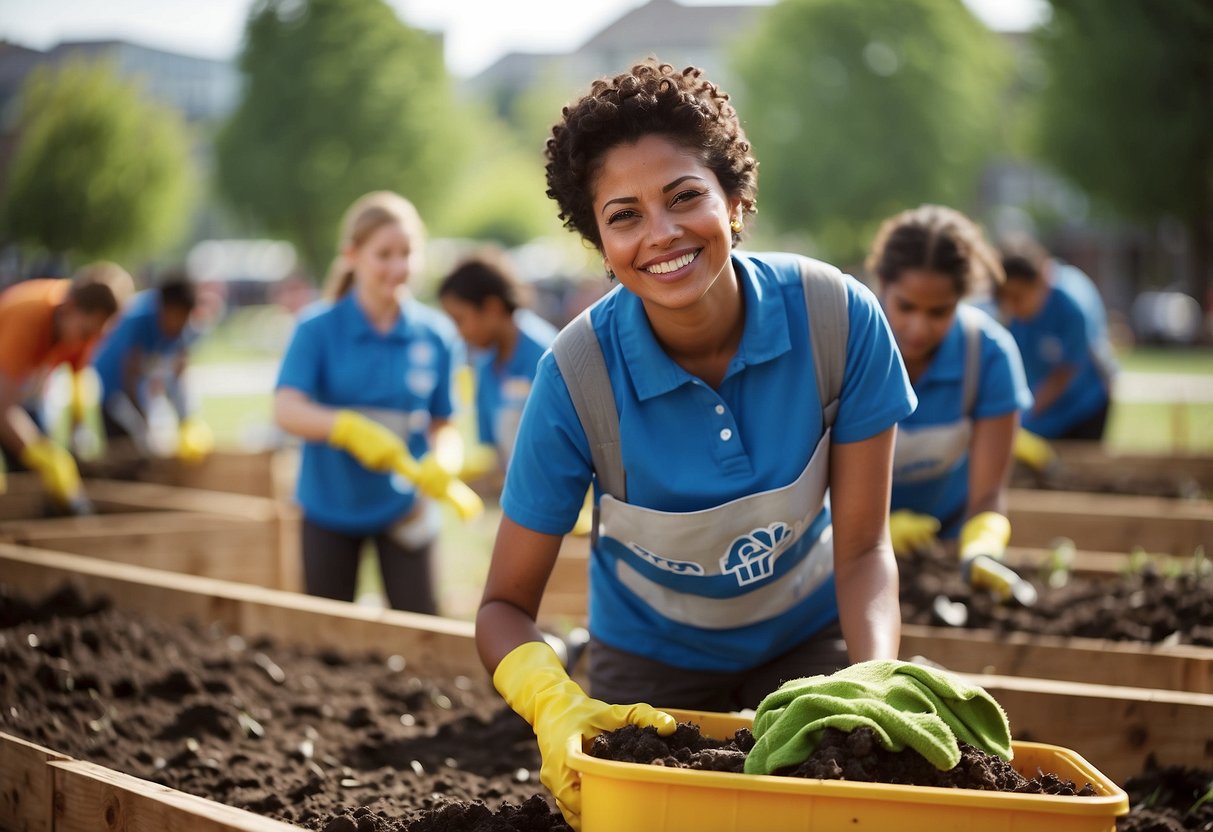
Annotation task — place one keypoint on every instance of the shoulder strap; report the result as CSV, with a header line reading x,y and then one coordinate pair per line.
x,y
825,298
579,357
972,368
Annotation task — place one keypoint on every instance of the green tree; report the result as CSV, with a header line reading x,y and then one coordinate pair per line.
x,y
340,98
859,110
1126,112
100,171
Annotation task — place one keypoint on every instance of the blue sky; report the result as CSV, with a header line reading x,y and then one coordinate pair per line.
x,y
477,31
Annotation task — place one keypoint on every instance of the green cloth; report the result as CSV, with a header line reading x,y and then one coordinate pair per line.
x,y
905,704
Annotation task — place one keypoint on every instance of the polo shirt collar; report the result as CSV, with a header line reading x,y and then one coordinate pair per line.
x,y
360,326
948,363
653,373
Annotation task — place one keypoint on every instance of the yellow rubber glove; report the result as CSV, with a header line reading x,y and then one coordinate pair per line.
x,y
478,461
911,531
983,542
441,466
56,467
195,441
372,444
536,686
585,517
1033,450
76,405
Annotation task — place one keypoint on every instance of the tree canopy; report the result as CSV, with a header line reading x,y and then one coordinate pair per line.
x,y
859,110
100,170
340,98
1126,112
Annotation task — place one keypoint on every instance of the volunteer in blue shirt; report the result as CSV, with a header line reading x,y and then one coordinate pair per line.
x,y
366,383
953,454
144,356
1059,322
715,572
485,299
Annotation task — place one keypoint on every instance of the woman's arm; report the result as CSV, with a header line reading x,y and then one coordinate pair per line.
x,y
990,454
865,571
297,414
521,563
1051,388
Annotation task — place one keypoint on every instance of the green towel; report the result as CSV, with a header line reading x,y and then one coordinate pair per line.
x,y
905,704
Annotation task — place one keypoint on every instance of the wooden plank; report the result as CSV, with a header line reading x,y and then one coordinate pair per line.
x,y
26,786
119,496
89,797
1110,522
439,644
1115,728
1093,459
249,473
233,549
1095,661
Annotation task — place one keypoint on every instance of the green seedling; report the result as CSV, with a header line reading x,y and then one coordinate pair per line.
x,y
1202,567
1059,564
1207,797
1138,560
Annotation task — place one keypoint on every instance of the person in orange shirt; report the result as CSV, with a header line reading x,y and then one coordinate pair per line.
x,y
45,323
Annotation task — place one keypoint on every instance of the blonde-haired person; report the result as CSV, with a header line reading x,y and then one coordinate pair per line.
x,y
953,453
366,383
45,323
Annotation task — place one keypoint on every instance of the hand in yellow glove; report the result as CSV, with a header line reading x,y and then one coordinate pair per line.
x,y
911,532
441,466
195,441
536,686
56,467
1034,451
372,444
983,542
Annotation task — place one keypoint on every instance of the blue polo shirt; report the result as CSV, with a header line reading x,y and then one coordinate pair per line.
x,y
1062,333
1001,389
502,391
339,360
688,447
138,327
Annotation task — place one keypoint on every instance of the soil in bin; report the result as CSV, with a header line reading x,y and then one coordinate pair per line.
x,y
1127,481
1146,607
318,738
1169,799
856,755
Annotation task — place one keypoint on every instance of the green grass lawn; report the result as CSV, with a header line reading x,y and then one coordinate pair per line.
x,y
1192,360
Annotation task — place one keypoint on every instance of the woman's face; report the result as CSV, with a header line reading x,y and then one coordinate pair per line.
x,y
920,306
383,262
664,221
477,325
1022,299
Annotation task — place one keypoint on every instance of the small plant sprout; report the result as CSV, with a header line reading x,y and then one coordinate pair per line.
x,y
1059,563
1207,797
1138,560
1202,567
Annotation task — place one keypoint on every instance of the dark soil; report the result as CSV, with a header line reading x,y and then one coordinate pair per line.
x,y
1127,481
1168,799
856,755
1146,607
327,741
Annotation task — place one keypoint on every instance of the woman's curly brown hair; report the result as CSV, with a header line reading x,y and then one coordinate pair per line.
x,y
652,98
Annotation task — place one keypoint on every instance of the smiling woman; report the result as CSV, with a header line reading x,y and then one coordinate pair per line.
x,y
711,399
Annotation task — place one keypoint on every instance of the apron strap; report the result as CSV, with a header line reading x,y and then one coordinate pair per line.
x,y
972,367
825,298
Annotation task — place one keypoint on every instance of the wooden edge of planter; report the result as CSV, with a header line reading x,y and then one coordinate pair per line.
x,y
1115,728
124,495
1181,667
1095,458
89,797
26,786
235,472
444,644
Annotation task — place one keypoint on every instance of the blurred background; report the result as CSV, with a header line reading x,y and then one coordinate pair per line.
x,y
229,136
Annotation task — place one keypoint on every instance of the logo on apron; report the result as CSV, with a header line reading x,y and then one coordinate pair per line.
x,y
678,567
752,556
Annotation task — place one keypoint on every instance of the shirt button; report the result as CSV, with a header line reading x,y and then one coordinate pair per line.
x,y
720,409
726,434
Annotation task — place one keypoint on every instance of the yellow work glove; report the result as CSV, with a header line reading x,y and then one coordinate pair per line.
x,y
911,532
195,441
536,686
983,542
76,405
56,467
1033,450
441,466
478,461
372,444
585,517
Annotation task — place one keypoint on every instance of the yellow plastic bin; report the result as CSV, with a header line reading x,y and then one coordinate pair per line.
x,y
626,797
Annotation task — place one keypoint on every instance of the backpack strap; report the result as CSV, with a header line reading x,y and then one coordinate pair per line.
x,y
579,357
825,298
972,368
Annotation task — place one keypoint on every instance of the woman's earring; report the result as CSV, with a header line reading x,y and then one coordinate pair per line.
x,y
736,226
610,274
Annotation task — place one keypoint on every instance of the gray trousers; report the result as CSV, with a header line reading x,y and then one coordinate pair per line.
x,y
619,677
330,568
